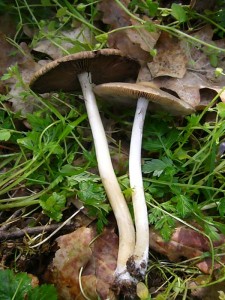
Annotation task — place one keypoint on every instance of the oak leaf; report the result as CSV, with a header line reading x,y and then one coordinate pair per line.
x,y
134,42
170,60
97,259
188,243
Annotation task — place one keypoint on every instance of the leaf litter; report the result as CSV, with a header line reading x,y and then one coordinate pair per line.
x,y
95,254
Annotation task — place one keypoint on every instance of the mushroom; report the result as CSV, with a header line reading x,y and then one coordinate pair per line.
x,y
127,92
77,72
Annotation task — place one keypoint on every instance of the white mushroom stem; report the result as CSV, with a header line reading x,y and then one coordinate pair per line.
x,y
109,180
140,255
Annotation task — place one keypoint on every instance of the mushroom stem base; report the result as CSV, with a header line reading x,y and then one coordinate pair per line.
x,y
137,267
124,283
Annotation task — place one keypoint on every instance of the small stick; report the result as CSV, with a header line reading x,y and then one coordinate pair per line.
x,y
19,233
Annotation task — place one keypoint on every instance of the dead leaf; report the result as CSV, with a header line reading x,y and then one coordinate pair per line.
x,y
188,243
98,260
26,66
66,41
141,36
200,5
73,254
189,88
199,55
213,291
170,60
135,43
6,57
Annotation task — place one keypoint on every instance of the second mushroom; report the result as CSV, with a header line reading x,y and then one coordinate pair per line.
x,y
126,93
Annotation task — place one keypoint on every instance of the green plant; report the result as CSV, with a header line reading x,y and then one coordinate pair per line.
x,y
19,286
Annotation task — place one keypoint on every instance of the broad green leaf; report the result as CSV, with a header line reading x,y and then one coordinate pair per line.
x,y
46,2
102,38
61,12
221,207
183,205
53,205
43,292
4,135
30,141
18,287
213,58
157,166
13,286
38,122
221,109
152,7
178,13
91,192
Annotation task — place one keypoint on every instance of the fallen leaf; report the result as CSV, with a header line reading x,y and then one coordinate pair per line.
x,y
103,263
188,243
201,58
143,37
98,261
200,5
212,291
73,254
135,43
74,40
189,88
171,59
6,57
26,67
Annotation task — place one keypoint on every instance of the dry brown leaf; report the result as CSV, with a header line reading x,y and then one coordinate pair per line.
x,y
73,254
98,261
140,36
189,88
113,14
199,84
67,39
27,66
199,55
5,58
210,292
188,243
170,60
200,5
136,43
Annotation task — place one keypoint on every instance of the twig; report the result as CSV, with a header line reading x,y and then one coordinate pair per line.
x,y
10,220
19,233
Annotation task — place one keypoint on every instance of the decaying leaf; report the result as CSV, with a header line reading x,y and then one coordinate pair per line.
x,y
141,36
188,243
97,258
200,5
103,263
170,60
6,57
26,67
70,40
199,84
202,289
136,43
204,60
189,88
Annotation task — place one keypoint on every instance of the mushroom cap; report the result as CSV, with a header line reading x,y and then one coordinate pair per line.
x,y
126,92
105,65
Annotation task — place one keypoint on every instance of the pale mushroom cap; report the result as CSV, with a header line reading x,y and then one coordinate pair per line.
x,y
127,92
106,65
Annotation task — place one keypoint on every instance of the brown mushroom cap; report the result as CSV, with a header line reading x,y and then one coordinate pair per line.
x,y
105,65
126,92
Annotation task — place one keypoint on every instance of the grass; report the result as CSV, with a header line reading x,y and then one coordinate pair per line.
x,y
47,164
